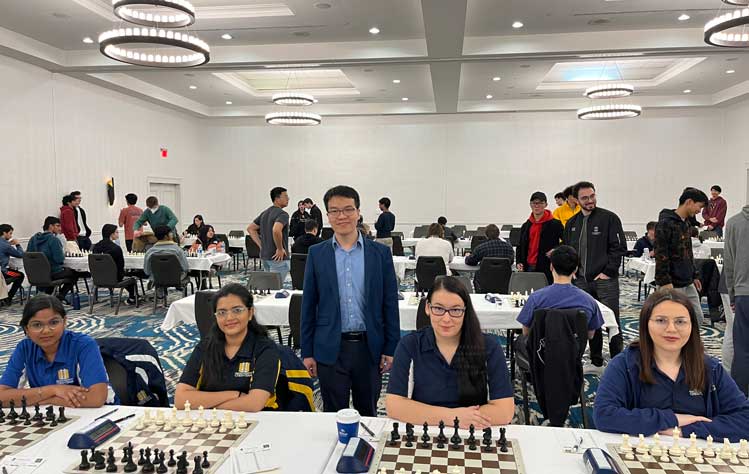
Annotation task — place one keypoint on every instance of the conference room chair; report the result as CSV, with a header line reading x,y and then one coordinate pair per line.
x,y
120,378
234,252
515,236
716,252
477,240
422,319
420,231
506,227
295,321
493,275
399,234
630,235
481,230
39,273
167,273
236,234
708,234
327,232
398,245
459,230
530,359
261,280
520,282
466,282
427,269
253,252
469,234
298,264
104,275
204,317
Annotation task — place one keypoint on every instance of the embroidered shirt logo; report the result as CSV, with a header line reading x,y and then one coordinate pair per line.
x,y
143,397
695,393
244,370
596,231
63,377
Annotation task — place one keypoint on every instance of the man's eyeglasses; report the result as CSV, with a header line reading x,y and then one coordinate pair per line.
x,y
38,326
236,311
538,203
346,211
453,312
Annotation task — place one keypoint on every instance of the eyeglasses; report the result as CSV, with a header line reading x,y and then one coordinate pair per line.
x,y
346,211
663,323
453,312
538,203
38,326
592,197
236,311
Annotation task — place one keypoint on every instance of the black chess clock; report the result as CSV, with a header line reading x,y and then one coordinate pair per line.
x,y
357,457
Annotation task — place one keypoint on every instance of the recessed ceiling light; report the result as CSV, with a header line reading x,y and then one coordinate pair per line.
x,y
193,87
226,36
496,78
684,17
404,99
228,102
301,34
396,81
517,24
88,40
489,96
374,30
322,5
687,91
730,71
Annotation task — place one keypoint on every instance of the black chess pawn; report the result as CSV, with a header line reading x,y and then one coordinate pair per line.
x,y
50,413
394,435
37,413
205,464
2,413
162,467
61,418
27,421
148,465
54,421
197,469
141,459
84,465
502,440
425,438
111,461
172,462
487,440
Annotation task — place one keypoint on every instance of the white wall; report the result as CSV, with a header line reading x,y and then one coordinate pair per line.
x,y
58,134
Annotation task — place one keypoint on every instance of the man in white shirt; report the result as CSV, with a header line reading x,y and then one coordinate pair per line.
x,y
436,246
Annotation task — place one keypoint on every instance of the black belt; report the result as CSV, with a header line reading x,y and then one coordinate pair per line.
x,y
354,336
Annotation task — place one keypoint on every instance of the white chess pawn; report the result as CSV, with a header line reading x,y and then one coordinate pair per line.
x,y
734,459
241,422
629,456
743,452
642,447
139,425
202,423
625,446
726,451
167,425
228,421
656,450
214,419
664,458
159,418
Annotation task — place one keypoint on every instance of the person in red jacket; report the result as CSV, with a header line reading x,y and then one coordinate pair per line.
x,y
715,211
67,220
539,235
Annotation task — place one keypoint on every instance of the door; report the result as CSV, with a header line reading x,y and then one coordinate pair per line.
x,y
168,194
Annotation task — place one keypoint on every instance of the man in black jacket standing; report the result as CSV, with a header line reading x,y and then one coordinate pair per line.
x,y
598,237
539,235
315,213
84,237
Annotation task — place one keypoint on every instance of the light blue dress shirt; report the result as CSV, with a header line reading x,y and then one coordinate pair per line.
x,y
349,266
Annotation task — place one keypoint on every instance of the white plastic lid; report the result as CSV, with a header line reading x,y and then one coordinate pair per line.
x,y
348,415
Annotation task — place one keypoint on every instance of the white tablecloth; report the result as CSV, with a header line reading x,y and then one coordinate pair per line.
x,y
714,245
647,267
402,264
236,243
631,244
135,262
459,244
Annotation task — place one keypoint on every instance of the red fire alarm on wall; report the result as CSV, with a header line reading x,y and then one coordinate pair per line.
x,y
164,152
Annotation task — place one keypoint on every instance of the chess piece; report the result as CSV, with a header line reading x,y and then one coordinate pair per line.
x,y
241,422
24,413
487,440
205,464
693,451
455,440
625,446
394,435
187,420
159,418
214,419
167,425
709,451
642,447
182,463
409,435
734,459
197,469
162,469
61,418
629,456
425,438
664,458
228,421
676,450
726,451
699,459
172,462
142,459
148,466
37,413
98,458
12,415
140,424
656,451
84,465
202,423
471,437
54,421
441,438
111,462
503,439
743,451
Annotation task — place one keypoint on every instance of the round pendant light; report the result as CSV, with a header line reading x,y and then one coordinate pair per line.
x,y
609,91
293,118
155,13
737,3
138,46
727,30
293,98
609,112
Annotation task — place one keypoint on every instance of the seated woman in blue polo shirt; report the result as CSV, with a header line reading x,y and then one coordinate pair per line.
x,y
665,380
450,369
236,366
58,366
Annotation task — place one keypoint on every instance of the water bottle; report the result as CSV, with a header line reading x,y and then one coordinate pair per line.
x,y
200,251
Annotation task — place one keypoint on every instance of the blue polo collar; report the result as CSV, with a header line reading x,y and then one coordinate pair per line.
x,y
60,355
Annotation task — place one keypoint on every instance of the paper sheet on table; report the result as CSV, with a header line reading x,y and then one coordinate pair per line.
x,y
21,465
252,459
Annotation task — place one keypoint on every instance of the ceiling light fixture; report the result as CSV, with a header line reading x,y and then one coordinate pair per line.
x,y
126,45
374,30
226,36
404,99
496,78
228,102
173,13
687,91
684,17
293,98
517,24
609,112
728,30
489,96
396,81
738,3
193,87
730,71
293,118
609,91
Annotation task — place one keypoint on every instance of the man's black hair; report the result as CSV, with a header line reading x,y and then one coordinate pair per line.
x,y
341,191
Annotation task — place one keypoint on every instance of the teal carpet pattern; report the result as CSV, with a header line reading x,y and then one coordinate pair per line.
x,y
175,346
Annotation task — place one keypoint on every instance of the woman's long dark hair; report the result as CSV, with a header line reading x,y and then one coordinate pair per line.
x,y
215,341
470,358
203,236
194,229
692,354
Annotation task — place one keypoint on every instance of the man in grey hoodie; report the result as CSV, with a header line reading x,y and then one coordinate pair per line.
x,y
736,269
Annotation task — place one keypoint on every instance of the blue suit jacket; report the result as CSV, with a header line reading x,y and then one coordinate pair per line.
x,y
321,309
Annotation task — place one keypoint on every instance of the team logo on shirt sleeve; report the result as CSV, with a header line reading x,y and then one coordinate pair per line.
x,y
244,370
63,377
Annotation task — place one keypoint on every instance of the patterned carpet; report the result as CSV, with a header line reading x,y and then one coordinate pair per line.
x,y
175,346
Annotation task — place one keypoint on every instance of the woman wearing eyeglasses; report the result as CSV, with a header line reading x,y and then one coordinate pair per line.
x,y
450,369
665,380
54,366
236,365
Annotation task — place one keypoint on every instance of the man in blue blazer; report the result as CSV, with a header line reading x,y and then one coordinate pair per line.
x,y
350,320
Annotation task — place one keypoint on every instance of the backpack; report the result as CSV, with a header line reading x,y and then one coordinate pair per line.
x,y
294,387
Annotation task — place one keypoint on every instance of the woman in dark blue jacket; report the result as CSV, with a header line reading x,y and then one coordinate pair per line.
x,y
665,380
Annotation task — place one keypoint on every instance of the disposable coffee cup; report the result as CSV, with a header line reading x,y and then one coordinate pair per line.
x,y
348,424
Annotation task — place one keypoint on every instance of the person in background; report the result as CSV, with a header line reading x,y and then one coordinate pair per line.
x,y
109,245
9,247
128,216
84,233
674,260
435,245
52,365
157,215
539,235
570,208
165,246
449,233
298,218
714,213
315,213
736,270
270,231
68,223
385,221
559,199
310,238
206,239
665,379
450,369
47,243
699,250
646,242
197,225
494,246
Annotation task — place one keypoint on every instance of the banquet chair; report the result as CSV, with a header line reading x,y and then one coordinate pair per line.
x,y
493,275
520,282
427,269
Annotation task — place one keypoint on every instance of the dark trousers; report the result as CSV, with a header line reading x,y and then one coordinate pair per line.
x,y
84,243
129,245
740,365
67,287
353,375
15,283
607,292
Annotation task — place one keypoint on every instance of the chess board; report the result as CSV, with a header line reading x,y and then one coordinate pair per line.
x,y
179,439
14,438
646,464
445,460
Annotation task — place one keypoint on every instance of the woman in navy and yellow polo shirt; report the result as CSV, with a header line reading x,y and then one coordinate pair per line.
x,y
450,369
236,366
61,367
